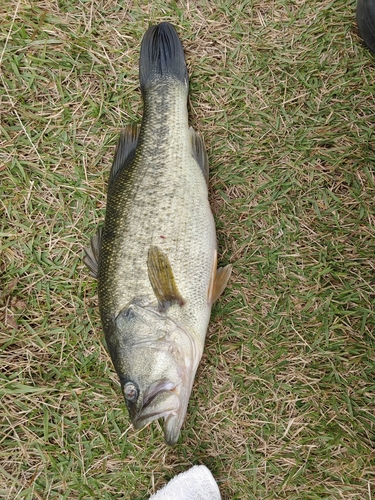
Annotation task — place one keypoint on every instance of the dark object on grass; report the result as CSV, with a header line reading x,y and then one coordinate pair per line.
x,y
366,22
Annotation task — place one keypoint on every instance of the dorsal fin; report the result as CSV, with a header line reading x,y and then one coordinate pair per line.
x,y
92,253
124,151
199,152
218,281
162,279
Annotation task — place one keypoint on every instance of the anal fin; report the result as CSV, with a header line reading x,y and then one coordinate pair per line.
x,y
199,152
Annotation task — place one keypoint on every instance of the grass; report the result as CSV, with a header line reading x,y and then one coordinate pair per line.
x,y
284,400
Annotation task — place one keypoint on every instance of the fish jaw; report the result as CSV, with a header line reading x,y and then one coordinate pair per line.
x,y
156,361
157,401
165,400
174,420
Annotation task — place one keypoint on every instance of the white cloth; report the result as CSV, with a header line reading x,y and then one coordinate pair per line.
x,y
196,483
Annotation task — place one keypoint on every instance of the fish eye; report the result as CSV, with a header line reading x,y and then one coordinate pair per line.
x,y
130,392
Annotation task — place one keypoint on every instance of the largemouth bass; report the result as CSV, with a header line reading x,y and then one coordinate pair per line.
x,y
155,258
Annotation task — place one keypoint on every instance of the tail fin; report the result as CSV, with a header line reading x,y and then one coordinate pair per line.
x,y
161,55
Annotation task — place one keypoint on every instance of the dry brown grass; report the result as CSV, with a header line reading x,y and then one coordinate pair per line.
x,y
283,403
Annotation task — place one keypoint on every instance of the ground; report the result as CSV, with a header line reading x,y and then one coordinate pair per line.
x,y
283,403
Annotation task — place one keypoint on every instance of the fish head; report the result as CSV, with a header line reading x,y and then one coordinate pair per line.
x,y
156,360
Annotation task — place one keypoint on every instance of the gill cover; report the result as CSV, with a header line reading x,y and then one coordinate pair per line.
x,y
156,361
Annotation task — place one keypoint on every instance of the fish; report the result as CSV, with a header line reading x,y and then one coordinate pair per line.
x,y
155,258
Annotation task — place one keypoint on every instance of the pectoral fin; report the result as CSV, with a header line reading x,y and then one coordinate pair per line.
x,y
219,280
162,279
91,257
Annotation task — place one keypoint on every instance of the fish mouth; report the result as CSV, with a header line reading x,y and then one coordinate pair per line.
x,y
168,396
159,401
162,400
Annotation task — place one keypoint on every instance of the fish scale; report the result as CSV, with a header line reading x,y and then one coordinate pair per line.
x,y
157,276
161,200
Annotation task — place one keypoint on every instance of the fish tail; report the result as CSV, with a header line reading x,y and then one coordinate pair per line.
x,y
161,56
